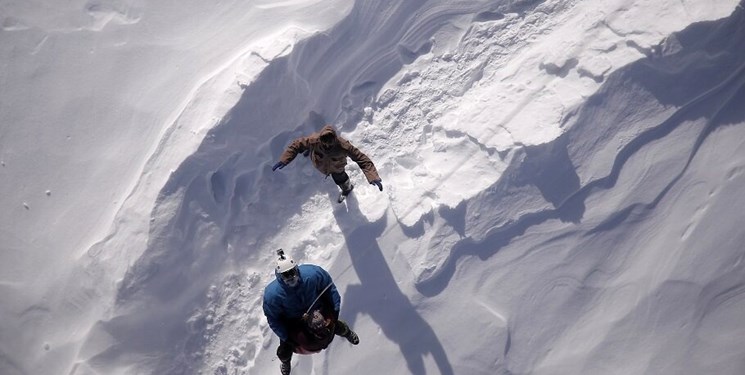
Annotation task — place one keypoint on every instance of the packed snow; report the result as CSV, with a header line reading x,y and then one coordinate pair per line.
x,y
562,184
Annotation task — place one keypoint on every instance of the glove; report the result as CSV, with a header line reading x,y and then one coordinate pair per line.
x,y
279,165
378,183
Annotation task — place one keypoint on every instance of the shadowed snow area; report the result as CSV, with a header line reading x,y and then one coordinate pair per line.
x,y
562,195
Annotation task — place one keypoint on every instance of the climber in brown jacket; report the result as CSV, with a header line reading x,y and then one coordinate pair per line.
x,y
329,153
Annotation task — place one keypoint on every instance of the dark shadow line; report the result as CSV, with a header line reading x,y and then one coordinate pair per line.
x,y
498,238
379,296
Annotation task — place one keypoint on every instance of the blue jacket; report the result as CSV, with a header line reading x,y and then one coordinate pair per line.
x,y
284,305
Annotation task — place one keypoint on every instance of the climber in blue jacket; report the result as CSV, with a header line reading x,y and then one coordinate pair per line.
x,y
302,308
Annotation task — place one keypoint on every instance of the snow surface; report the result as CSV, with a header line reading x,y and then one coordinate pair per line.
x,y
562,184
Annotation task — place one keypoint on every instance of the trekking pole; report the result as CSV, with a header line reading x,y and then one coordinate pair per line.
x,y
305,316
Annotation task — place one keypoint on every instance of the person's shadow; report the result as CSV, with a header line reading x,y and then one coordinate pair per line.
x,y
379,296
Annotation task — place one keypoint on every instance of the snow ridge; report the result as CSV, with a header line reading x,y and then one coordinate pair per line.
x,y
413,84
204,221
721,98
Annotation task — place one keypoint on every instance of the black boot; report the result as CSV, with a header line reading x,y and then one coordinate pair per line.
x,y
346,188
352,337
343,330
284,353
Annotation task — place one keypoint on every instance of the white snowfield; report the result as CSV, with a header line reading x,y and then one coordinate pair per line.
x,y
563,184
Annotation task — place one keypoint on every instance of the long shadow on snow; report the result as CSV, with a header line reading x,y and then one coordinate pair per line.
x,y
704,79
379,296
217,198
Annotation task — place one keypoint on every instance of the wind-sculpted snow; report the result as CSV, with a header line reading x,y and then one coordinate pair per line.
x,y
448,125
218,198
562,184
552,173
629,189
521,184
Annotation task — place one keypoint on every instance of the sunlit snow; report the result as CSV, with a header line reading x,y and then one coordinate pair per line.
x,y
563,184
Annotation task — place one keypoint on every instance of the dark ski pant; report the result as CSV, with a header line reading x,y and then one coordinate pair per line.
x,y
285,349
340,177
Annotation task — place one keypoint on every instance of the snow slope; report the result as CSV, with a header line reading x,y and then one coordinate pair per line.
x,y
561,185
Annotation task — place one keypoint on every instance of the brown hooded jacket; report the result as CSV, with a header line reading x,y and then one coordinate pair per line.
x,y
333,159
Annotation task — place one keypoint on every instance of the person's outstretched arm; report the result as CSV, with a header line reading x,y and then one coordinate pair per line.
x,y
297,146
367,166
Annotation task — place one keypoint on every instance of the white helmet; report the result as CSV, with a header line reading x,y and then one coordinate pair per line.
x,y
284,263
287,269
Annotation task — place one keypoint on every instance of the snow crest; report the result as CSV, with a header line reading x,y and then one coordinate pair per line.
x,y
561,185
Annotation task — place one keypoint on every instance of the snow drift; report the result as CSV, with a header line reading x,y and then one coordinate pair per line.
x,y
561,196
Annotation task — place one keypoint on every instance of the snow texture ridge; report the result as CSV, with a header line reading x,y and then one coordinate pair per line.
x,y
562,184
